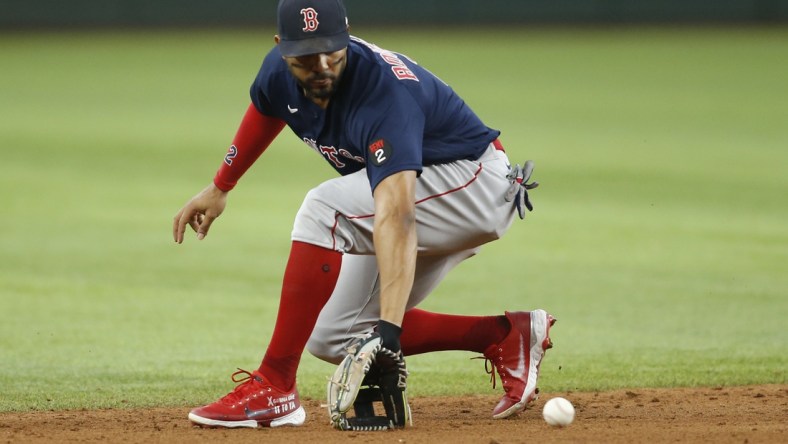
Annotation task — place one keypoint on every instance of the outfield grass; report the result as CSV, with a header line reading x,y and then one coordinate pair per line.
x,y
658,239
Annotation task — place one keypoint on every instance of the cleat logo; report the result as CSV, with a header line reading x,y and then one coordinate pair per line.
x,y
519,372
276,406
251,414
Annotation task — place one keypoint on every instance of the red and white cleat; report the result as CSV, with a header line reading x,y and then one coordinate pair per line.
x,y
254,403
517,358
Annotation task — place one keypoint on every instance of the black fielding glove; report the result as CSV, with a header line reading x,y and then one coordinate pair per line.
x,y
393,383
374,371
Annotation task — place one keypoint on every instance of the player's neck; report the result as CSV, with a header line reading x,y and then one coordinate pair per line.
x,y
321,102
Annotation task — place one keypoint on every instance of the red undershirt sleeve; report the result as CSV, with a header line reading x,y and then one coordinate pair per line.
x,y
255,134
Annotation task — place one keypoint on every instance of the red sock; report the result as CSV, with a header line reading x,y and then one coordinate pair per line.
x,y
423,331
310,278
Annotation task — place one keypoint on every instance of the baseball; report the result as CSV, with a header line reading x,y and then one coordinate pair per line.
x,y
558,412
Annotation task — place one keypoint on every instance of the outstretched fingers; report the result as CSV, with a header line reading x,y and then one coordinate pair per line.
x,y
203,224
178,227
187,216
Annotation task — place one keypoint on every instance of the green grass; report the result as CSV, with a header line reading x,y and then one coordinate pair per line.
x,y
658,239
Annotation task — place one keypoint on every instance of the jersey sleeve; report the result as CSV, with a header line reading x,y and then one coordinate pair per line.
x,y
260,100
392,135
260,91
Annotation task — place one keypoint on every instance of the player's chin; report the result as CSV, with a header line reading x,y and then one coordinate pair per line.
x,y
323,92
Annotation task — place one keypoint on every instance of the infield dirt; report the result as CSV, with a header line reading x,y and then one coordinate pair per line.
x,y
751,414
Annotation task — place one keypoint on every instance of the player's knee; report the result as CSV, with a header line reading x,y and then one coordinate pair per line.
x,y
314,220
312,207
318,222
321,347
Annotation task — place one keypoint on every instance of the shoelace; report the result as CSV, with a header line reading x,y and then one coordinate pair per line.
x,y
490,371
241,390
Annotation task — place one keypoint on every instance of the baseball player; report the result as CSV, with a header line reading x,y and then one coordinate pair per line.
x,y
423,183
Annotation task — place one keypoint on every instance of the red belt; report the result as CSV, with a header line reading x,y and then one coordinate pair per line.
x,y
498,146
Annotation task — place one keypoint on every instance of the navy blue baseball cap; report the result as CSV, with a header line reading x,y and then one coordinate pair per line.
x,y
311,26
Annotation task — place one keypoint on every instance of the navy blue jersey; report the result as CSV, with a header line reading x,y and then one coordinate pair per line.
x,y
388,114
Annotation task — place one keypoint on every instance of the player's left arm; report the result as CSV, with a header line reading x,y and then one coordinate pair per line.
x,y
395,242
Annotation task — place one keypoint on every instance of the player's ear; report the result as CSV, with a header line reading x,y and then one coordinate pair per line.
x,y
277,40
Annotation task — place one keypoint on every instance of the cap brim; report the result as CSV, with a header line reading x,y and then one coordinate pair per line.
x,y
315,45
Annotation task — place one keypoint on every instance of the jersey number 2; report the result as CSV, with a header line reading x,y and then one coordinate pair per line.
x,y
231,153
380,155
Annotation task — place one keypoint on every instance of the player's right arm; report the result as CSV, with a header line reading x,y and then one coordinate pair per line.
x,y
254,135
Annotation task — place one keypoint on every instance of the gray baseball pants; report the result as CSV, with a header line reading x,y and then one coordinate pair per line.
x,y
459,207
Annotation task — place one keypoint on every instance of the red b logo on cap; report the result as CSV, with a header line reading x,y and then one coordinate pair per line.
x,y
310,19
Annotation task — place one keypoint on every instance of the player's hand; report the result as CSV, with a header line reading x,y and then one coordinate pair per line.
x,y
199,213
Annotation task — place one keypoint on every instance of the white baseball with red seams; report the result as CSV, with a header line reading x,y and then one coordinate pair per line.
x,y
558,412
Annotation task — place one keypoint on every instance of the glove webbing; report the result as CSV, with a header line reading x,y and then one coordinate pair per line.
x,y
373,424
393,385
366,420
